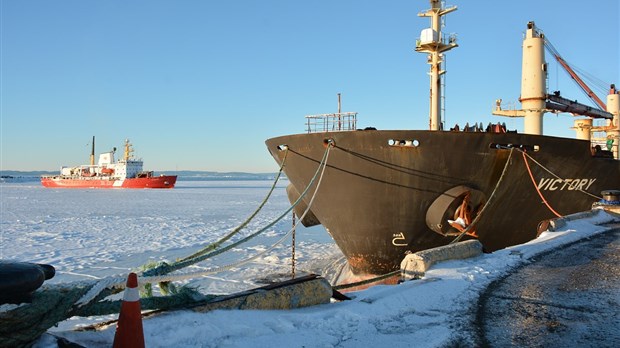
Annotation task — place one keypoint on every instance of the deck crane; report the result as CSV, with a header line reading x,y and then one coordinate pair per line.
x,y
585,127
573,74
535,101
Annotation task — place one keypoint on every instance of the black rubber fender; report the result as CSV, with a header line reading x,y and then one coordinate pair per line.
x,y
19,279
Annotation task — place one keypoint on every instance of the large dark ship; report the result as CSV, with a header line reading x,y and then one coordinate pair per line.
x,y
385,193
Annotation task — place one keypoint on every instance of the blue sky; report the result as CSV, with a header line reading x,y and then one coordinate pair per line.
x,y
200,85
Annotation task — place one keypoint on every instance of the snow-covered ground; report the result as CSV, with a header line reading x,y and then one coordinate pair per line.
x,y
94,234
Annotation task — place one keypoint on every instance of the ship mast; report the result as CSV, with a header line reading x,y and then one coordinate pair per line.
x,y
128,150
431,41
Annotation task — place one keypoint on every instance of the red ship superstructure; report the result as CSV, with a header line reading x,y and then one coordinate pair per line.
x,y
124,173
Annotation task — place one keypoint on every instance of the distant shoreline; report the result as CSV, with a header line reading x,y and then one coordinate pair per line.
x,y
180,173
183,175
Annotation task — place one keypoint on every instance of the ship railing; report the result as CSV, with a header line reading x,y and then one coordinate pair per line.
x,y
336,122
435,39
604,143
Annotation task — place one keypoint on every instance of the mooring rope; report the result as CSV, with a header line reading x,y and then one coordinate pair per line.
x,y
467,229
478,216
158,274
216,244
556,176
185,276
54,303
19,327
529,171
165,268
486,204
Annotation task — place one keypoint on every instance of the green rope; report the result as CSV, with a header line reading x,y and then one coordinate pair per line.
x,y
55,303
186,296
50,305
167,279
167,287
166,268
216,245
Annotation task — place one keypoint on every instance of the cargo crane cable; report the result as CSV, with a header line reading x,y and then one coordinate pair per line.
x,y
217,244
159,274
536,186
486,204
584,87
601,86
558,177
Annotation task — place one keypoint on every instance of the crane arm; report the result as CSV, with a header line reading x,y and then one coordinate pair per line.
x,y
574,75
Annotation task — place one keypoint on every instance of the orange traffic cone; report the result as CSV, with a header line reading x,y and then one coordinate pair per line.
x,y
129,331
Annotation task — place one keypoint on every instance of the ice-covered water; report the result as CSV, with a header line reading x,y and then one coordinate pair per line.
x,y
89,234
94,233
